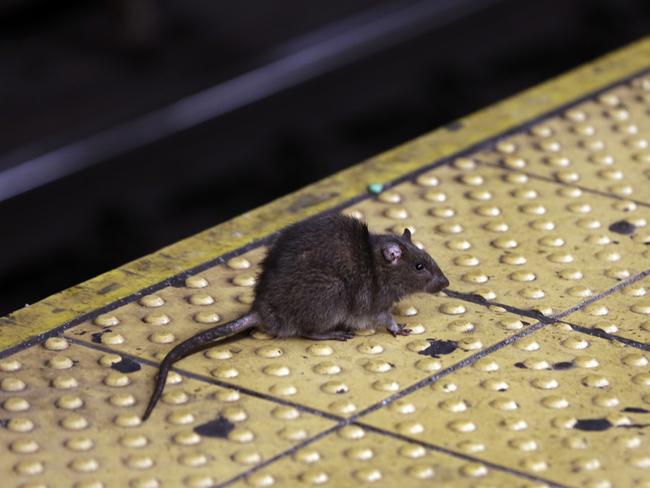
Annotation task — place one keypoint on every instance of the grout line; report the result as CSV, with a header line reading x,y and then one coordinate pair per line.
x,y
206,379
23,346
479,300
595,332
621,284
562,183
450,452
396,436
279,456
607,336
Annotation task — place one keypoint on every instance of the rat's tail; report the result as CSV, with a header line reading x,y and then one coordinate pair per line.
x,y
193,344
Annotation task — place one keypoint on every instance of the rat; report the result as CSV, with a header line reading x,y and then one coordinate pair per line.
x,y
321,279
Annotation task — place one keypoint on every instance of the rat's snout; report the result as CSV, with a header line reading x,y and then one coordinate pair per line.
x,y
439,282
444,282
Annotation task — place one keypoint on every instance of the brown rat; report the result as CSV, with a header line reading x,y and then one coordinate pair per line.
x,y
322,279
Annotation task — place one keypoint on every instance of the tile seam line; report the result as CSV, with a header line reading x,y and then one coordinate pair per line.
x,y
485,143
548,179
595,332
621,284
469,360
483,302
453,453
386,433
557,318
213,381
280,456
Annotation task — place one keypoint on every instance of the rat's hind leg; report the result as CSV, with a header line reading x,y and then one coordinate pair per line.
x,y
330,335
387,320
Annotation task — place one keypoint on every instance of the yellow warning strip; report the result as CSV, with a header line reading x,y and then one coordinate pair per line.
x,y
122,282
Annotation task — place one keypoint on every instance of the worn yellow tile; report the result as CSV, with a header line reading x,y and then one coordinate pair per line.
x,y
70,416
566,406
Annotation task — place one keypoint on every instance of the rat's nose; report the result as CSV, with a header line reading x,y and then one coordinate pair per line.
x,y
440,282
443,282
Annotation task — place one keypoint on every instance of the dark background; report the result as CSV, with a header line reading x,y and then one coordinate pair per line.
x,y
72,69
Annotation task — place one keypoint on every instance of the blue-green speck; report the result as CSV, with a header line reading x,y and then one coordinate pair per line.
x,y
375,188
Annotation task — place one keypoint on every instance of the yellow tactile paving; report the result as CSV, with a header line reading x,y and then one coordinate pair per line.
x,y
342,378
67,418
602,144
354,457
515,239
572,408
552,217
625,313
487,257
327,193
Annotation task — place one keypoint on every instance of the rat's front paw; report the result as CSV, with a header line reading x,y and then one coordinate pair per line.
x,y
399,329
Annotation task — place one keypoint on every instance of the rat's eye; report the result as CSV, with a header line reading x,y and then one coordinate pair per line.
x,y
419,266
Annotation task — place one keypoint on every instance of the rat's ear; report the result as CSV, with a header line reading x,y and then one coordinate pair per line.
x,y
392,252
407,234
